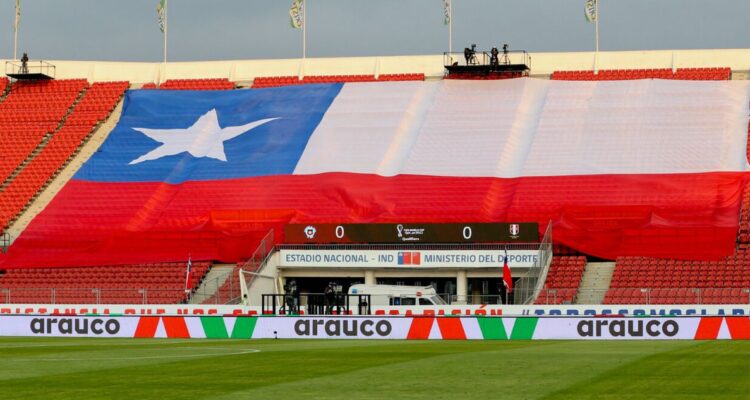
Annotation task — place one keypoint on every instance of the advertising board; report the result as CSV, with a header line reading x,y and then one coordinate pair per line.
x,y
409,328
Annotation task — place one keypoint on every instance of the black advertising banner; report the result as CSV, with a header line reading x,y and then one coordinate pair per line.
x,y
412,233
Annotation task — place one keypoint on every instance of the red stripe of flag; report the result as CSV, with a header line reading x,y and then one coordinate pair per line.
x,y
507,276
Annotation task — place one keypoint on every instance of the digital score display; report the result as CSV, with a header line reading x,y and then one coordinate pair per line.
x,y
412,233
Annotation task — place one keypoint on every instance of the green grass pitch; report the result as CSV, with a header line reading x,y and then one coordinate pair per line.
x,y
50,368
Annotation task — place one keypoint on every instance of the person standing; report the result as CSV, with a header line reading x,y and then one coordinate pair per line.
x,y
330,298
25,64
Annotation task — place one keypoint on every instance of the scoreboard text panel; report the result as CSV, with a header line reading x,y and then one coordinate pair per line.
x,y
412,233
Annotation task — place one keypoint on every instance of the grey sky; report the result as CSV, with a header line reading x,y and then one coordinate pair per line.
x,y
126,30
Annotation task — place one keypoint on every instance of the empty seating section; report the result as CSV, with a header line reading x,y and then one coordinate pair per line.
x,y
96,105
29,112
3,85
562,282
159,283
401,77
639,280
274,81
743,238
193,84
693,74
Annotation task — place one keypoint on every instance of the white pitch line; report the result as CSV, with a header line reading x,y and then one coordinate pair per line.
x,y
103,342
247,351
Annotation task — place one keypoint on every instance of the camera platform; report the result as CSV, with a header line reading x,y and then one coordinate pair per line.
x,y
472,64
31,70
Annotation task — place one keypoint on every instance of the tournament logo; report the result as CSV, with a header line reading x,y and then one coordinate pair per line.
x,y
514,230
413,234
310,231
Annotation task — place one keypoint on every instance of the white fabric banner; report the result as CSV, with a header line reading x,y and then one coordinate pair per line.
x,y
532,127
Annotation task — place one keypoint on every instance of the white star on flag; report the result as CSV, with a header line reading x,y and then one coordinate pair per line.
x,y
205,138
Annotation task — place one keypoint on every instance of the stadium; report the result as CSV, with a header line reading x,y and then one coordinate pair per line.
x,y
473,224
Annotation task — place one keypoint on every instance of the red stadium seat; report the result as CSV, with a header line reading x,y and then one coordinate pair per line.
x,y
117,284
44,116
706,74
563,279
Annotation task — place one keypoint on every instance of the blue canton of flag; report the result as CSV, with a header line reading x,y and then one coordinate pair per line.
x,y
178,136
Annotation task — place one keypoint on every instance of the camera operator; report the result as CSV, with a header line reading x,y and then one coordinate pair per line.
x,y
329,297
494,61
290,296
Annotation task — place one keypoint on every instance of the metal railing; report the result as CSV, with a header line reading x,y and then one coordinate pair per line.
x,y
556,296
641,295
62,295
261,253
473,299
30,67
530,285
217,290
256,262
483,58
648,295
315,304
4,242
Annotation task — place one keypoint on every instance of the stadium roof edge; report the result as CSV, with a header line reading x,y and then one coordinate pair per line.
x,y
430,65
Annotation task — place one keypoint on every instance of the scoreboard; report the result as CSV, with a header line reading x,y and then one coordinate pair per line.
x,y
412,233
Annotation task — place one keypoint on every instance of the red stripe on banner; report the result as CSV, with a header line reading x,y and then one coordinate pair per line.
x,y
146,327
739,327
684,216
420,328
708,328
451,328
176,327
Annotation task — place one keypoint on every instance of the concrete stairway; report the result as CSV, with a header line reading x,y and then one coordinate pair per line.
x,y
595,282
216,277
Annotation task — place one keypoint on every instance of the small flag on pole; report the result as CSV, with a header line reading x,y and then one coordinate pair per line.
x,y
447,11
161,13
590,9
296,13
187,273
507,277
18,15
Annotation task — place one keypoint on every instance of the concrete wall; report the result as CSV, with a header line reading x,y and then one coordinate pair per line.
x,y
431,66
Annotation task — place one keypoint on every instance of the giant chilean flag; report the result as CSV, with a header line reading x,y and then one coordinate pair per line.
x,y
650,167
